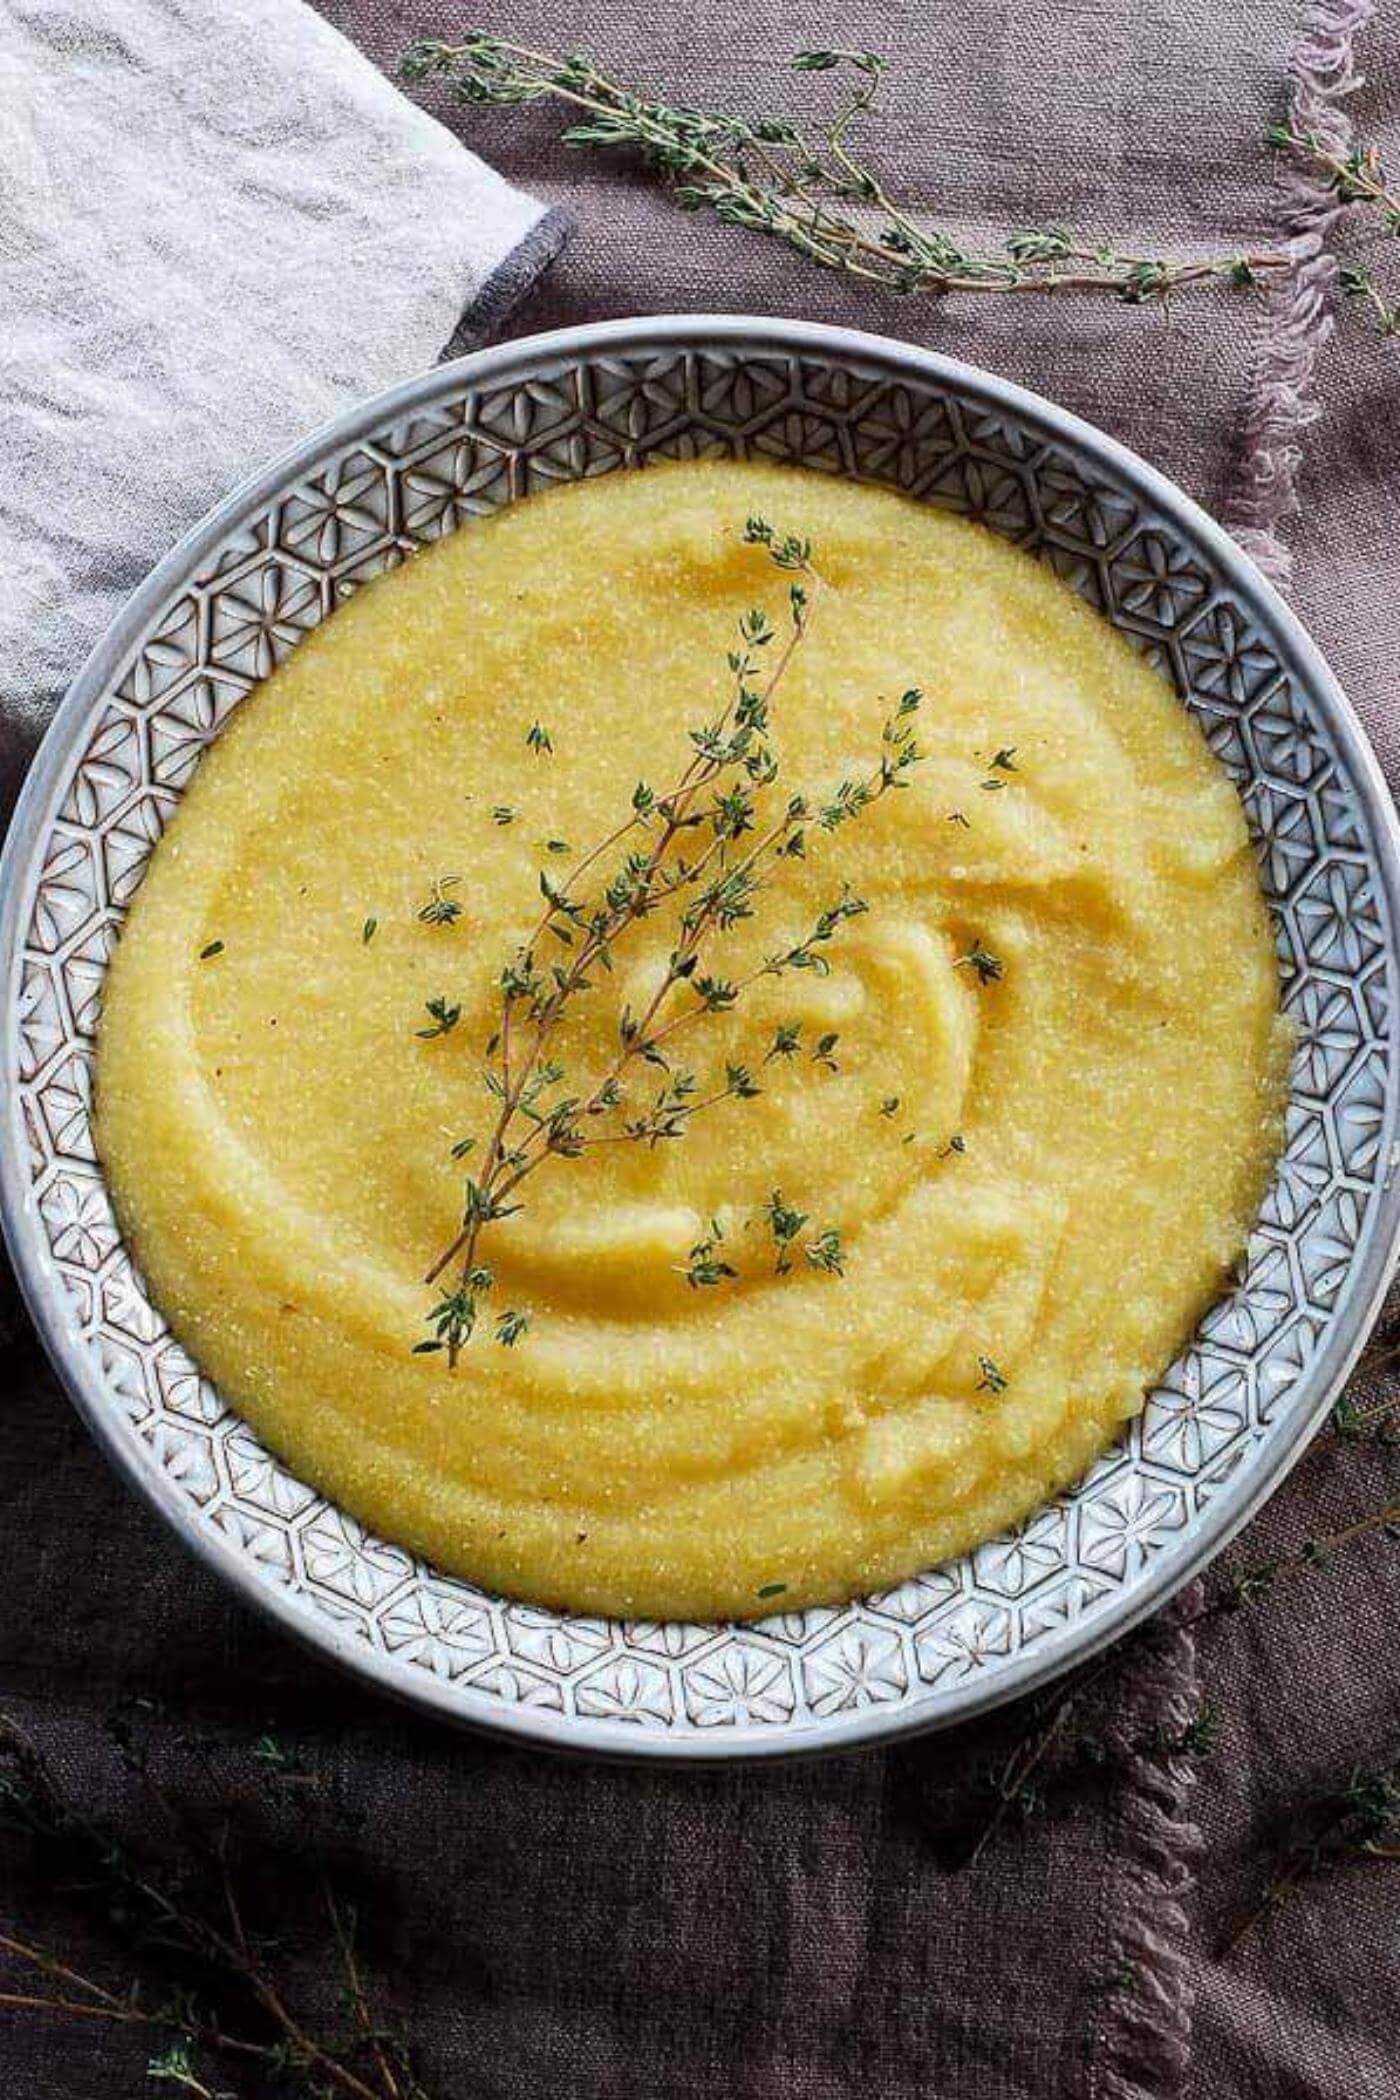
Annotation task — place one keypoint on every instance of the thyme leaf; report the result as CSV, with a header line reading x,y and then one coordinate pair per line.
x,y
443,1016
989,968
441,909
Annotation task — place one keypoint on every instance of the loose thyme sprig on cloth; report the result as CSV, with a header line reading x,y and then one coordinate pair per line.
x,y
810,189
713,843
1358,178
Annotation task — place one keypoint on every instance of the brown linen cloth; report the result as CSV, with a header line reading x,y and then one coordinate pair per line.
x,y
818,1932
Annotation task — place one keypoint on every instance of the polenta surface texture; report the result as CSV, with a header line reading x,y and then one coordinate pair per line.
x,y
1041,1175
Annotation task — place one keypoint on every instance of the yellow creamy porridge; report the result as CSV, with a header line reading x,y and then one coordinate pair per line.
x,y
1022,1168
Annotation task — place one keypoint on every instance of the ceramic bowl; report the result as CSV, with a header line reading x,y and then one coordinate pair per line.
x,y
239,594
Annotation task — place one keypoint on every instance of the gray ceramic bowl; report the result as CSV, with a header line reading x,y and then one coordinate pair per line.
x,y
1231,1414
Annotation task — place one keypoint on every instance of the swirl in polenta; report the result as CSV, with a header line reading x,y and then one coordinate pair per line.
x,y
1036,1096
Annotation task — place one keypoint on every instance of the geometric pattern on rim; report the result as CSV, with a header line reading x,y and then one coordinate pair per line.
x,y
371,501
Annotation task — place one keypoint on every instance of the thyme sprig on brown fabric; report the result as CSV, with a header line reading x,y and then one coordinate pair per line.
x,y
1369,1410
805,183
709,845
1016,1785
206,1979
1357,177
1356,1820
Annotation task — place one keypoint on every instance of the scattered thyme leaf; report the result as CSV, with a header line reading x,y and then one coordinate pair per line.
x,y
890,1105
443,1016
770,1589
503,814
1355,1818
990,1379
539,740
989,968
368,931
827,1253
705,1266
199,1988
785,1223
440,909
214,948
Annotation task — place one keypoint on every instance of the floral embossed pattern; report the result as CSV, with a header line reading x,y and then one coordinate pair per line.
x,y
1228,1414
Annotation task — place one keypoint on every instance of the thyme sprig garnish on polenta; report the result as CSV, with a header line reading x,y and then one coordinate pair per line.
x,y
709,847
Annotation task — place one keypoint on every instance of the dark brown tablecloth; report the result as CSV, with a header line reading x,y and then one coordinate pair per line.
x,y
820,1932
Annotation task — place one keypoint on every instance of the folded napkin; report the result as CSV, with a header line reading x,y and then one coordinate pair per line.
x,y
218,225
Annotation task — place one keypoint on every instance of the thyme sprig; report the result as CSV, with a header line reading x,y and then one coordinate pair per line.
x,y
1357,177
1374,1423
1017,1788
1358,1819
208,1980
807,185
708,846
1357,283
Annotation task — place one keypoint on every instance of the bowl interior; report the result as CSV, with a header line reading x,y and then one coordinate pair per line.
x,y
1231,1412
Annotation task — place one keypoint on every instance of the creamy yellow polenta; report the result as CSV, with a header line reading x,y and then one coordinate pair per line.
x,y
1041,1179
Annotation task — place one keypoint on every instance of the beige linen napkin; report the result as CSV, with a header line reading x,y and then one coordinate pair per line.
x,y
218,224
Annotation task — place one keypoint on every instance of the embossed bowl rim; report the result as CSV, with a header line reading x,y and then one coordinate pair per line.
x,y
47,1298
